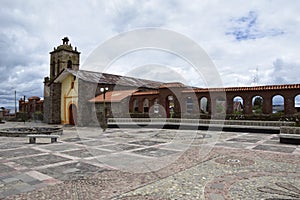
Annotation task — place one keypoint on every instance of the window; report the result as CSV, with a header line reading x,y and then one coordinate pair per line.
x,y
69,64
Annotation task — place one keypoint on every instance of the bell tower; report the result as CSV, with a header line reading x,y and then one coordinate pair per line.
x,y
63,56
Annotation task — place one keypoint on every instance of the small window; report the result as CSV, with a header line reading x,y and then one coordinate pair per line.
x,y
69,64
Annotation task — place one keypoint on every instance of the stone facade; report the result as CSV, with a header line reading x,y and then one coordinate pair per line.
x,y
52,104
63,56
150,97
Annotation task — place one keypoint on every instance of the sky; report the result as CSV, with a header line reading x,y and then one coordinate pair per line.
x,y
250,42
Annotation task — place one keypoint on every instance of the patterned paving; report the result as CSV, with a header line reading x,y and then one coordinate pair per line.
x,y
154,164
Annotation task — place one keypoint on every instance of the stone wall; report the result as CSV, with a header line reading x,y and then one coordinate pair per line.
x,y
52,104
86,115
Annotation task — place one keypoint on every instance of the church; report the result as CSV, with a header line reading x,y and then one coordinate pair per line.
x,y
74,96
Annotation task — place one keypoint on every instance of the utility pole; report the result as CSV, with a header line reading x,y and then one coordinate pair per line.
x,y
16,102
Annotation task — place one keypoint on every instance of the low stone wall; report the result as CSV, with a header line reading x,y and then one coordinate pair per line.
x,y
200,122
289,130
289,135
24,131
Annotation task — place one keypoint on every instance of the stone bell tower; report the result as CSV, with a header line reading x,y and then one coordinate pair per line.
x,y
63,56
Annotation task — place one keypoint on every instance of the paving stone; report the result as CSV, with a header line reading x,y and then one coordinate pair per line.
x,y
120,147
155,152
85,153
60,147
275,148
5,168
243,140
10,180
232,144
71,170
19,152
147,142
76,139
40,160
95,143
25,178
11,145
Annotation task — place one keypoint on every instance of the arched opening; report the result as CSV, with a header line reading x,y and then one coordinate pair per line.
x,y
277,104
220,105
297,103
170,106
156,106
135,105
204,105
257,105
238,105
72,114
69,66
189,105
146,105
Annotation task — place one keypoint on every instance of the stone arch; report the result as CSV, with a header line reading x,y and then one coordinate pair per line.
x,y
135,105
297,103
156,106
238,105
278,104
146,105
257,104
203,105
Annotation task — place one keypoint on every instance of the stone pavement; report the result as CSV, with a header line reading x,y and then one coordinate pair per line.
x,y
148,164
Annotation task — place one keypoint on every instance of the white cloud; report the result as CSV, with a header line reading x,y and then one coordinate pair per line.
x,y
30,29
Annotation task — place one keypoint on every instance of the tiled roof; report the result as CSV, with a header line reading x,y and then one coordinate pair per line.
x,y
146,93
174,84
113,96
255,88
104,78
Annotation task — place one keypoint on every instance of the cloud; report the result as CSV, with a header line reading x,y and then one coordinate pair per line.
x,y
247,28
238,36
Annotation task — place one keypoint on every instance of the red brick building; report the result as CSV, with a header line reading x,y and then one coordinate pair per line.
x,y
33,105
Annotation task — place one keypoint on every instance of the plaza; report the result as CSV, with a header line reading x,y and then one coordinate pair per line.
x,y
148,163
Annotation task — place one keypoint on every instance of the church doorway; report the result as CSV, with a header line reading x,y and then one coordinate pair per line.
x,y
72,114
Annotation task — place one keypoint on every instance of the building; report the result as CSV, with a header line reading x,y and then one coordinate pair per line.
x,y
32,106
74,96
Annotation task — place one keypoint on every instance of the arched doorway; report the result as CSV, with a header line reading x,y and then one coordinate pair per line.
x,y
257,105
72,114
297,103
170,106
238,105
204,105
278,104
